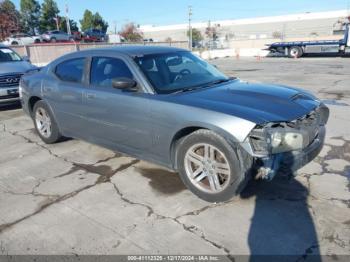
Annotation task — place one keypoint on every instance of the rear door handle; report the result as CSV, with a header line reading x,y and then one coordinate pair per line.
x,y
90,96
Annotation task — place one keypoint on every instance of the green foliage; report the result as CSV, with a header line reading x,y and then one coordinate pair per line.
x,y
87,21
99,23
30,13
49,11
73,25
196,35
93,21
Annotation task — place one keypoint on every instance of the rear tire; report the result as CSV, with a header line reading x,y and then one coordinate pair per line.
x,y
45,123
210,167
14,43
295,52
53,40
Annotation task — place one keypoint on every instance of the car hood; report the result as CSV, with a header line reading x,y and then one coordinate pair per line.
x,y
15,67
259,103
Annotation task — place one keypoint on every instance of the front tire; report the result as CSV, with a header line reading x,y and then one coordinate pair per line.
x,y
295,52
210,167
45,123
53,40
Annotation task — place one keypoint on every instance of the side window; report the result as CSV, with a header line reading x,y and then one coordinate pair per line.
x,y
71,70
104,69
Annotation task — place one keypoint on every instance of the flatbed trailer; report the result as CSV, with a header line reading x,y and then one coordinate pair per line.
x,y
297,49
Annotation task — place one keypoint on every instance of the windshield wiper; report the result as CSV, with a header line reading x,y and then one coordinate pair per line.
x,y
219,81
187,89
212,83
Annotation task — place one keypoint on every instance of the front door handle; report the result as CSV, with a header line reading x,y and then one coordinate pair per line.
x,y
90,96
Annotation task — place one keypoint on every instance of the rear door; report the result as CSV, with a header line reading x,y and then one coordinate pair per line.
x,y
119,119
64,91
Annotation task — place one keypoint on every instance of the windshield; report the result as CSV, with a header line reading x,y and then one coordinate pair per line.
x,y
8,55
178,71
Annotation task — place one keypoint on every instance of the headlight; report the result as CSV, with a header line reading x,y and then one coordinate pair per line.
x,y
283,141
266,141
276,139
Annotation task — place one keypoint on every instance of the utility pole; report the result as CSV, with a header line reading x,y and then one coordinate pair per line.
x,y
67,21
57,20
115,27
189,27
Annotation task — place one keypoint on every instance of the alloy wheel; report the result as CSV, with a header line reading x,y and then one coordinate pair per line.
x,y
207,168
43,122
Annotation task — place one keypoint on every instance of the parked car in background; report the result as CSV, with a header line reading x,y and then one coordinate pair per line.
x,y
168,106
94,35
12,67
77,36
22,39
148,40
56,35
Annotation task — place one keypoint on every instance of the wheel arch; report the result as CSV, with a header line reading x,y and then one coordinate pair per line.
x,y
31,102
187,130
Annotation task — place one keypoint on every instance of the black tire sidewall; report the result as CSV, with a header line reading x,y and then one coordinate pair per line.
x,y
300,52
55,134
237,175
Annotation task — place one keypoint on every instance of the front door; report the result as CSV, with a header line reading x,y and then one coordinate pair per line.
x,y
119,119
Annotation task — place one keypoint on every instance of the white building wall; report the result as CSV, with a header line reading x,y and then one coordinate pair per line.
x,y
296,25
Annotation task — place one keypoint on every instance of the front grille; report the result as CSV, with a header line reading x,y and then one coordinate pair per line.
x,y
10,80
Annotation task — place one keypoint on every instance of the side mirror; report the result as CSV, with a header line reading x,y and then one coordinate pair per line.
x,y
125,84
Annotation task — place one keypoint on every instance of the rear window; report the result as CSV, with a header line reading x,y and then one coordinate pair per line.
x,y
71,70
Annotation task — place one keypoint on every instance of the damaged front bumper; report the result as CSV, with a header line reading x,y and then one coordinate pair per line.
x,y
287,163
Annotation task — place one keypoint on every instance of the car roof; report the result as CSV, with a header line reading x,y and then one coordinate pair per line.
x,y
135,50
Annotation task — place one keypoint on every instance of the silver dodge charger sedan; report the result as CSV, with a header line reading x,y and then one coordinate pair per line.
x,y
168,106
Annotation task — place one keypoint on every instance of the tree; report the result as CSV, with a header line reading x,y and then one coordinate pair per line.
x,y
49,12
94,21
196,35
9,19
277,35
99,23
88,20
73,25
131,33
30,13
211,32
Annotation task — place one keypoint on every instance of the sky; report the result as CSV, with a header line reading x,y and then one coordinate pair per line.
x,y
165,12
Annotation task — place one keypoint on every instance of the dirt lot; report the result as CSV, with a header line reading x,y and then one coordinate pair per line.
x,y
77,198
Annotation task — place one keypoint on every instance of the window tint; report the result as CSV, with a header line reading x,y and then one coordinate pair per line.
x,y
71,70
104,69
